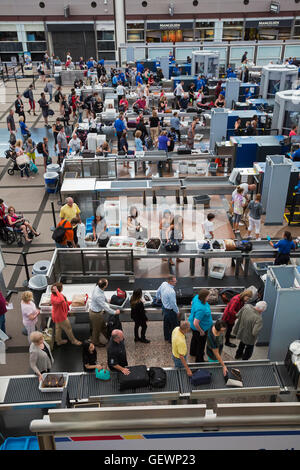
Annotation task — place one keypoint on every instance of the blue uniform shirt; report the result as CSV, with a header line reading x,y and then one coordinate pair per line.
x,y
119,125
296,155
284,246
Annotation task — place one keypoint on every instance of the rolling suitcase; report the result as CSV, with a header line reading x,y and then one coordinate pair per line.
x,y
137,378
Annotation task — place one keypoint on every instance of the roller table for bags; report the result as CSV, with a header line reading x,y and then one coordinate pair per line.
x,y
259,378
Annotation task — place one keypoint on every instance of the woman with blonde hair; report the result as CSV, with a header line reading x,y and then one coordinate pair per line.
x,y
40,357
231,310
29,312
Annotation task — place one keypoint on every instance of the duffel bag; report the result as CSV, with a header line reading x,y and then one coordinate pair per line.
x,y
201,377
213,297
184,151
230,245
137,378
172,245
158,377
153,243
244,245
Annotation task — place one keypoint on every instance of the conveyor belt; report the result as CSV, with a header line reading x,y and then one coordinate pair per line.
x,y
26,390
254,376
97,388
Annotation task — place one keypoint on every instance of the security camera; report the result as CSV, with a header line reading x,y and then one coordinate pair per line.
x,y
171,9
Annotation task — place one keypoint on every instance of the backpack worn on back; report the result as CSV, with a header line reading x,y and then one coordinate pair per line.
x,y
39,147
59,233
113,323
26,94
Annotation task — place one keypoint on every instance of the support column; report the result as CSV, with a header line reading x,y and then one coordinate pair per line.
x,y
120,26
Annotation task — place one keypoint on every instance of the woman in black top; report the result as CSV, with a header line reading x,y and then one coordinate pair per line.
x,y
89,357
141,127
55,129
138,316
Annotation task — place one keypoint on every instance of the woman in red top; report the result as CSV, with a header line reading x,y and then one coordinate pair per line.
x,y
231,310
60,310
2,213
293,131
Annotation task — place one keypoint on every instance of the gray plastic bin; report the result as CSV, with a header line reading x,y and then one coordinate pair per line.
x,y
203,199
38,285
40,267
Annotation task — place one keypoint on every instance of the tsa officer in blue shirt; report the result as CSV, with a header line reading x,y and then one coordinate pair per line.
x,y
284,248
248,94
138,79
166,293
296,156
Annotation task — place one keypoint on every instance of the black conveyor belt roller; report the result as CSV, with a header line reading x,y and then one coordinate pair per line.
x,y
26,390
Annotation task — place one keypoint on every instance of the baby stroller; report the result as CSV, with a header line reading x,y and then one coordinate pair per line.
x,y
20,163
11,154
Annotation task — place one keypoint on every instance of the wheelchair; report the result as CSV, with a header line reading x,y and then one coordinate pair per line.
x,y
12,235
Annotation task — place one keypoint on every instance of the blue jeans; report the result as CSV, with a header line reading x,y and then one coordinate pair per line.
x,y
59,245
170,322
2,323
177,362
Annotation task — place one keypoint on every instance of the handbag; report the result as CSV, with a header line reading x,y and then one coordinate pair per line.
x,y
102,374
234,378
33,167
121,293
22,160
172,245
50,112
102,242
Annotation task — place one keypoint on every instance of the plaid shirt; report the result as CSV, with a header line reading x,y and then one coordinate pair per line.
x,y
232,308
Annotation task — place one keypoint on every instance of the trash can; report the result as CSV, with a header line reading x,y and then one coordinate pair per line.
x,y
57,78
203,199
54,167
38,285
40,267
51,178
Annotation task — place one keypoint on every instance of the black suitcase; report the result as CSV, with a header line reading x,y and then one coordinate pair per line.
x,y
184,296
183,151
158,377
137,378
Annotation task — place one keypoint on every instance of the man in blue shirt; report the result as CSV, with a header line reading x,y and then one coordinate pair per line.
x,y
176,71
248,94
166,293
120,126
138,79
296,156
140,67
90,63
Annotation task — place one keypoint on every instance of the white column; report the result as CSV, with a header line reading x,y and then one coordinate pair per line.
x,y
218,30
22,37
120,29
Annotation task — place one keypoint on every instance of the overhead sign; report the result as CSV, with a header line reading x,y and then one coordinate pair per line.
x,y
170,26
269,24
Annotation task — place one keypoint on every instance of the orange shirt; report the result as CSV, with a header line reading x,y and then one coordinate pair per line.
x,y
69,234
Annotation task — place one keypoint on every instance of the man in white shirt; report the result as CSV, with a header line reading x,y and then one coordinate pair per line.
x,y
75,144
98,306
121,91
209,227
179,93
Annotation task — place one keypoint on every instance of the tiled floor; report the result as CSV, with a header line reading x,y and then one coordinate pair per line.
x,y
29,196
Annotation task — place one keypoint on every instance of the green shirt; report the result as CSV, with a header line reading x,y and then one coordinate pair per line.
x,y
213,342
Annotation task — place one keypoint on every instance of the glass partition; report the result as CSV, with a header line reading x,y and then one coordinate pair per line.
x,y
221,50
236,53
159,52
184,52
267,54
292,50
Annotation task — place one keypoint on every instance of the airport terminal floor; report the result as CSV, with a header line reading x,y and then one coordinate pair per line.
x,y
216,155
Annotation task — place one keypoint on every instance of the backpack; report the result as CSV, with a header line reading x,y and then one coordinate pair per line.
x,y
113,323
39,147
26,94
244,245
56,97
59,233
158,377
213,297
149,143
